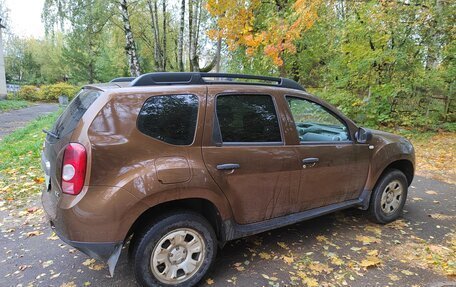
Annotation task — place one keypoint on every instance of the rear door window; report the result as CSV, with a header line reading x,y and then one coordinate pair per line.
x,y
247,119
171,119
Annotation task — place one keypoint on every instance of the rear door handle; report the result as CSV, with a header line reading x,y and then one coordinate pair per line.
x,y
228,166
309,162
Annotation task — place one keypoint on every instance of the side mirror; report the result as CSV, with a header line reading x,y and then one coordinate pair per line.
x,y
363,136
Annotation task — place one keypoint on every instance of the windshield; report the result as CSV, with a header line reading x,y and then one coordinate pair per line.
x,y
67,122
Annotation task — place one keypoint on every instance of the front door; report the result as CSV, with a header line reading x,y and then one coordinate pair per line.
x,y
246,155
334,167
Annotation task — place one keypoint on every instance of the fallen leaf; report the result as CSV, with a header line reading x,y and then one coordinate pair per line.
x,y
47,263
366,240
431,192
88,262
209,281
406,272
68,284
264,255
287,259
442,216
53,236
393,277
370,261
34,233
55,276
283,245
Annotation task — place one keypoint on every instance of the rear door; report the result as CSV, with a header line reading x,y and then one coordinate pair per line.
x,y
334,167
57,140
244,151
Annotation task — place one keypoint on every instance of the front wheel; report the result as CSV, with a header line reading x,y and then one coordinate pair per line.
x,y
177,250
388,197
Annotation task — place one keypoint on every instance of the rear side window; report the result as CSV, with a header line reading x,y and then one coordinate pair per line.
x,y
171,119
67,122
247,118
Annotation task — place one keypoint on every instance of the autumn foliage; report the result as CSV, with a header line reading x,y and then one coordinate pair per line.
x,y
244,23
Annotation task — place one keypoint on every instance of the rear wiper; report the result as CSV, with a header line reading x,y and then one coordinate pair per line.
x,y
51,134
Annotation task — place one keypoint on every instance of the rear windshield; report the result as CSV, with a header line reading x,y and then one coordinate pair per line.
x,y
67,122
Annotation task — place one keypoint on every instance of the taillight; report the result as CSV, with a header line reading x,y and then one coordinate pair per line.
x,y
74,168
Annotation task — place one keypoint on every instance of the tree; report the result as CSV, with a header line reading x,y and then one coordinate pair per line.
x,y
130,47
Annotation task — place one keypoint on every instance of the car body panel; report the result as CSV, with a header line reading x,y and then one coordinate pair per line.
x,y
128,173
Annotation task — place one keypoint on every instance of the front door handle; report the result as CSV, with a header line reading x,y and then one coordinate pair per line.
x,y
228,166
309,162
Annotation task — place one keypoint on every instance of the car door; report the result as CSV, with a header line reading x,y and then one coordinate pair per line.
x,y
244,151
334,166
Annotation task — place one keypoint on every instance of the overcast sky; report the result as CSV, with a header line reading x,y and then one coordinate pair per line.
x,y
25,17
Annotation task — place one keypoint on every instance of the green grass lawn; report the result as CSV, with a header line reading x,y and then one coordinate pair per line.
x,y
20,155
8,105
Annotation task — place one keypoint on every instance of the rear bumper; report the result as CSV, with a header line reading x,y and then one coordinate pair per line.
x,y
98,250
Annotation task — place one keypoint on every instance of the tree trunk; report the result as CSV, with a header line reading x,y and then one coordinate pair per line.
x,y
130,47
155,31
164,36
190,34
180,40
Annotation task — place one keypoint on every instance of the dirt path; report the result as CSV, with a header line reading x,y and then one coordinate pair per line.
x,y
341,249
12,120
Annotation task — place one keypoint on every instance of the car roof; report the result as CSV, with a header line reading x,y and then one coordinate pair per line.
x,y
196,78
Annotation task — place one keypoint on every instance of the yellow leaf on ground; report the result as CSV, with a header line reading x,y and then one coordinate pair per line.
x,y
265,255
309,281
366,240
370,261
34,233
431,192
209,281
283,245
287,259
322,238
68,284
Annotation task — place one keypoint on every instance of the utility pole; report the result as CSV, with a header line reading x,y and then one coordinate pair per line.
x,y
2,66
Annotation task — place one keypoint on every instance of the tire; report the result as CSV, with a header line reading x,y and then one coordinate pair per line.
x,y
385,206
174,239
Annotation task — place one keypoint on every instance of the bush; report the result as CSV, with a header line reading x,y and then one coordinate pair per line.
x,y
46,93
28,93
51,93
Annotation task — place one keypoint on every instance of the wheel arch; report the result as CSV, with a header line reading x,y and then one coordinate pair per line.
x,y
202,206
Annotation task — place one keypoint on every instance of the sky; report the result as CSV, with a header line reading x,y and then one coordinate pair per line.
x,y
25,17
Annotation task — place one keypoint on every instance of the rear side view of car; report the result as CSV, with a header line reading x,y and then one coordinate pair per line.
x,y
177,164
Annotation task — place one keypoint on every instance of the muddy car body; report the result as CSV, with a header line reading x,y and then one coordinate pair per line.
x,y
236,158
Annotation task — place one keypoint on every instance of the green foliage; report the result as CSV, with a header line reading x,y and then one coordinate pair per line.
x,y
51,93
28,93
46,93
8,105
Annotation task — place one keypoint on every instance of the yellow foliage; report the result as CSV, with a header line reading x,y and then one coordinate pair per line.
x,y
236,23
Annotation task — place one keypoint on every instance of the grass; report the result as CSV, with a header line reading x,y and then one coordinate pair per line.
x,y
20,155
8,105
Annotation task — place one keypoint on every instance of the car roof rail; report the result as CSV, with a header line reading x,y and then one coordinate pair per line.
x,y
199,78
122,79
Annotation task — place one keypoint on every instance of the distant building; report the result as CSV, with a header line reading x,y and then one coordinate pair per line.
x,y
2,66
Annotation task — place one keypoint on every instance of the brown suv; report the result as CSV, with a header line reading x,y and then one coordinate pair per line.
x,y
181,163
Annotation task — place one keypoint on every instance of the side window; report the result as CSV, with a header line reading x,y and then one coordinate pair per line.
x,y
247,118
171,119
314,123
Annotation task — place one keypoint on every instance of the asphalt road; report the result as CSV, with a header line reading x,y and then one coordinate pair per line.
x,y
327,251
10,121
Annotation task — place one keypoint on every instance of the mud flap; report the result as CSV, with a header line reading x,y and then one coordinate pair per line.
x,y
112,261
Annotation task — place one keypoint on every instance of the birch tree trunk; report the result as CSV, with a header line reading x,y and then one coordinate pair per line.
x,y
158,59
164,58
180,40
190,34
130,47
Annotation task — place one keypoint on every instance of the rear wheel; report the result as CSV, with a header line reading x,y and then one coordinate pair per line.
x,y
388,197
176,250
